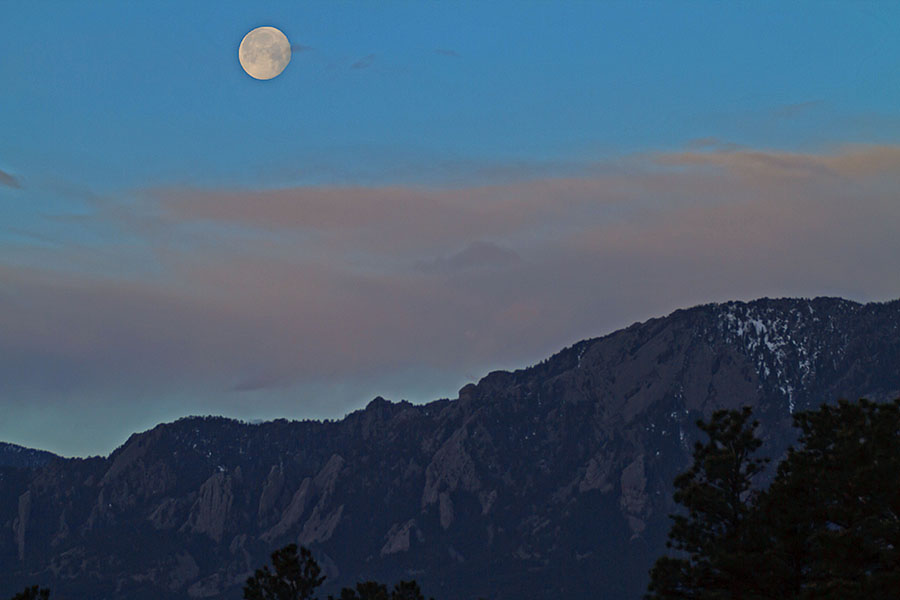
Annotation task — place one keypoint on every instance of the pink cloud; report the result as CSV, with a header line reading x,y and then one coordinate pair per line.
x,y
850,161
251,290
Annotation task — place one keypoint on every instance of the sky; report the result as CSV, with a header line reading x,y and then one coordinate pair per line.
x,y
428,192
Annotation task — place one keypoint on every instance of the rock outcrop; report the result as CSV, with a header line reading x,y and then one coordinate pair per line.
x,y
210,512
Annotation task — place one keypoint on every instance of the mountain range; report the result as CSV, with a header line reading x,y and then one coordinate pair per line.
x,y
546,482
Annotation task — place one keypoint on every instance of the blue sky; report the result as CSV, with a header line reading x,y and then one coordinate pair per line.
x,y
125,94
448,187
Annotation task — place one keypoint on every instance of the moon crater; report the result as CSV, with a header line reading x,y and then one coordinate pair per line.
x,y
264,53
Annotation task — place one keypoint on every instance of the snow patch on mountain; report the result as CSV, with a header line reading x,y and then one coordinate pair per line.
x,y
785,346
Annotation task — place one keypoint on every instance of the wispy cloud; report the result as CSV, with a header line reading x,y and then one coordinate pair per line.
x,y
258,290
447,52
711,143
789,111
850,161
364,62
392,218
300,48
478,254
8,180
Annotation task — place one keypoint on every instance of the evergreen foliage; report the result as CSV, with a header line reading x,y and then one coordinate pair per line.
x,y
366,590
33,593
372,590
833,510
827,528
296,577
715,491
407,590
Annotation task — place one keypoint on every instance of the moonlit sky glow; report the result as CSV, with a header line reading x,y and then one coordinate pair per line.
x,y
429,191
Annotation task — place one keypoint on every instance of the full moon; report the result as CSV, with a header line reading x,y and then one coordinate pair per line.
x,y
264,53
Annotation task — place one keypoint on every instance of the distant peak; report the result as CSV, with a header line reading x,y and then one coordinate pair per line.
x,y
378,402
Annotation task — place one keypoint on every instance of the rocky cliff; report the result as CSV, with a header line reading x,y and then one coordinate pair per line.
x,y
545,482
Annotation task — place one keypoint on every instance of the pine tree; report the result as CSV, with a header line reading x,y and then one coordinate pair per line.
x,y
827,528
833,510
717,493
296,577
372,590
33,593
407,590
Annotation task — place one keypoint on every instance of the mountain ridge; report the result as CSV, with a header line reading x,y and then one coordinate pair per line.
x,y
546,480
14,455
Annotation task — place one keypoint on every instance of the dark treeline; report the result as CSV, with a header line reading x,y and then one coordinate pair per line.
x,y
295,575
33,593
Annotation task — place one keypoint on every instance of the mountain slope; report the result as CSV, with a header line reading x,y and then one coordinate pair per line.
x,y
12,455
549,481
